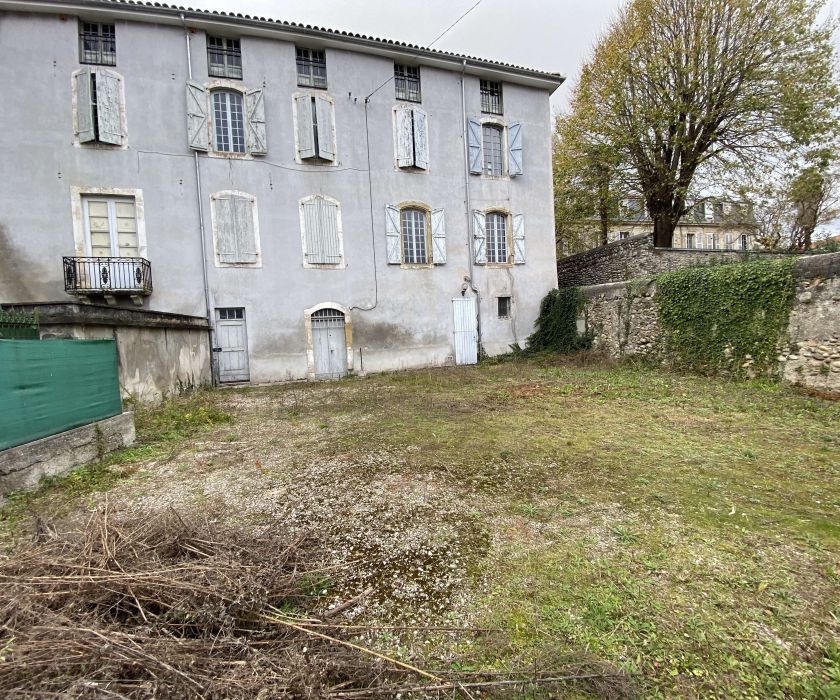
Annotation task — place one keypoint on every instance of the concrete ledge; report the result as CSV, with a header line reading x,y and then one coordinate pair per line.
x,y
22,467
64,312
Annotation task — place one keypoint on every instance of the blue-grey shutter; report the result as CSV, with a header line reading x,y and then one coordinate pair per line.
x,y
255,122
474,145
519,239
311,230
403,138
224,214
246,235
326,132
479,249
109,106
438,237
392,234
305,137
331,241
84,107
515,149
421,139
198,134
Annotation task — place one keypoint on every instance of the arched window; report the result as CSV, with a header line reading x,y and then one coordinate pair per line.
x,y
414,236
497,243
228,121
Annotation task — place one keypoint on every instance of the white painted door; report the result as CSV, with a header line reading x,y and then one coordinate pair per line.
x,y
233,341
466,330
329,346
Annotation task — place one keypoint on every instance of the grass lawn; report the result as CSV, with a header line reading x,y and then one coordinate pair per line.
x,y
682,530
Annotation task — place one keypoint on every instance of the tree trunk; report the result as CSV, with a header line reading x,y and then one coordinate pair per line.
x,y
663,230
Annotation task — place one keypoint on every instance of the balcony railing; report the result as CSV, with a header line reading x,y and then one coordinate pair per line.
x,y
107,276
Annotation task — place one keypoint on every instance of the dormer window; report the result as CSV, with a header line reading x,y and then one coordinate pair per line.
x,y
224,57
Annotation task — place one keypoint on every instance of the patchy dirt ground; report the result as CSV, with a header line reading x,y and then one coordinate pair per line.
x,y
682,530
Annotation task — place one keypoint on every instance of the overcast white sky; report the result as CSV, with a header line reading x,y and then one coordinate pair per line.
x,y
554,35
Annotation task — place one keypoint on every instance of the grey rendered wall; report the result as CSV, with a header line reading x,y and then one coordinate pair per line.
x,y
400,317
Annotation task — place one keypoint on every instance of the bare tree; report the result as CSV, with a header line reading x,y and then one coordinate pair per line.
x,y
688,89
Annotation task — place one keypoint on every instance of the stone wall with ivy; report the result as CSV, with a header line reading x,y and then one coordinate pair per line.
x,y
766,317
637,257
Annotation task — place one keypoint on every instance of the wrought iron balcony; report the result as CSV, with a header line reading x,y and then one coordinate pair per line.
x,y
107,276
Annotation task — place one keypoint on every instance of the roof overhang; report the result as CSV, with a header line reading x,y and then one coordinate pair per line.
x,y
317,37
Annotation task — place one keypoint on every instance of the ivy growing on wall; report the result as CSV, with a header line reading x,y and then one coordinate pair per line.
x,y
556,327
725,317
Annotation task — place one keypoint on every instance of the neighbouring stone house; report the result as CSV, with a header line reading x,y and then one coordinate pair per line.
x,y
309,202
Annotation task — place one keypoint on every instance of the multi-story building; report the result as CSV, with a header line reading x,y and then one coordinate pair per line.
x,y
713,224
328,202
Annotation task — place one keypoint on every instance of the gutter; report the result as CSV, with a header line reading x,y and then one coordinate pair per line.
x,y
468,207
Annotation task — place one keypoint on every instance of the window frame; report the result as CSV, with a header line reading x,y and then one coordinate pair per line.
x,y
623,235
488,127
80,226
307,78
403,80
743,241
507,302
487,91
427,235
228,92
690,241
341,264
228,70
100,53
507,219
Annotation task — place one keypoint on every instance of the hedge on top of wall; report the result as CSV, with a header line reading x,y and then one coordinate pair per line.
x,y
727,317
556,327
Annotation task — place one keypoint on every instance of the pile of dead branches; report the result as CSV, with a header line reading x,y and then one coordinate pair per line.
x,y
171,607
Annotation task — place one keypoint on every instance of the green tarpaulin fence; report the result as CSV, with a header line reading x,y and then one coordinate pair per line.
x,y
49,386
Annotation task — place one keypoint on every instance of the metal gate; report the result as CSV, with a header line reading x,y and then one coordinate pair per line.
x,y
329,345
232,342
466,330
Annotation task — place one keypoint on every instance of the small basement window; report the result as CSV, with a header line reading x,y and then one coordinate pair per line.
x,y
311,68
504,307
224,57
97,43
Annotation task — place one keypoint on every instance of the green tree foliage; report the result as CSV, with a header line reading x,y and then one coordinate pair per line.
x,y
722,317
556,327
685,92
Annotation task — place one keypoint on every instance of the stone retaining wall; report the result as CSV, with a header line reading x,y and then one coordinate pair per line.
x,y
623,319
636,257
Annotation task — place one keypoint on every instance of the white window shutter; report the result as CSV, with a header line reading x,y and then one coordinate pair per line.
x,y
403,138
326,143
198,134
255,122
479,250
108,106
515,149
331,243
84,108
438,237
421,139
392,234
474,145
519,239
311,221
305,137
225,221
246,235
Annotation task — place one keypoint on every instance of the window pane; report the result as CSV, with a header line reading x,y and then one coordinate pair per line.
x,y
413,224
496,235
491,97
311,68
407,82
97,43
224,57
229,127
492,135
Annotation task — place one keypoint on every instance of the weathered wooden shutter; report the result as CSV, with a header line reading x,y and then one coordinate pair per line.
x,y
392,234
109,106
246,238
479,249
255,122
84,108
474,145
311,223
421,140
404,138
305,136
515,149
438,237
331,244
519,239
320,229
225,221
324,112
198,135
